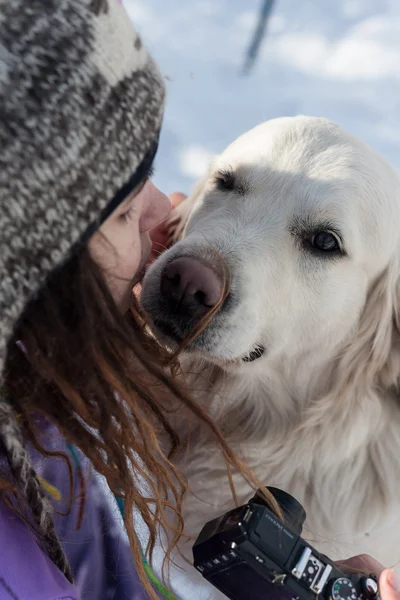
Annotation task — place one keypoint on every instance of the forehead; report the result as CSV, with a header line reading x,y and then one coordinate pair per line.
x,y
307,162
308,166
286,151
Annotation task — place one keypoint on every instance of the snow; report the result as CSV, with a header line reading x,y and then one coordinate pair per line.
x,y
334,58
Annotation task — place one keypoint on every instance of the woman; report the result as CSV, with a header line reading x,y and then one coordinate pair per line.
x,y
81,106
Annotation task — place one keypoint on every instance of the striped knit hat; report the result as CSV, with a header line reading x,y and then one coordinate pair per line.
x,y
80,110
81,105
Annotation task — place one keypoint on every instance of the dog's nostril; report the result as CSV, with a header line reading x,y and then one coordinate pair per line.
x,y
190,286
201,297
174,279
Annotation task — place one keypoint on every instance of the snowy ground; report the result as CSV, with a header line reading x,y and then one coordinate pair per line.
x,y
335,58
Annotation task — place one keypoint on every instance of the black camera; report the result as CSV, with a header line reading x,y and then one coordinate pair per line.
x,y
250,554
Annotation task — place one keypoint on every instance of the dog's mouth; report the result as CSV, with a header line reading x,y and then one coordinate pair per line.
x,y
254,354
167,330
170,332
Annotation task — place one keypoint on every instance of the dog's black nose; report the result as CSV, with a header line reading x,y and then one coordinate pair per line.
x,y
190,286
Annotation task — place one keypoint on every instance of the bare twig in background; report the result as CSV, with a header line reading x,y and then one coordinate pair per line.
x,y
259,34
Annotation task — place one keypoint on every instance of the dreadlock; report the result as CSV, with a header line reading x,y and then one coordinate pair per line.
x,y
102,380
28,487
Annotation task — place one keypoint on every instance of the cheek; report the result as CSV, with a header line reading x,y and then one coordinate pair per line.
x,y
119,262
291,301
328,306
122,258
129,257
342,293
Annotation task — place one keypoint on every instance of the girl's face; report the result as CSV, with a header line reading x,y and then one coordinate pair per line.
x,y
122,245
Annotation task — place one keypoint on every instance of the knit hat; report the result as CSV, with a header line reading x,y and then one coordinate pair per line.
x,y
81,105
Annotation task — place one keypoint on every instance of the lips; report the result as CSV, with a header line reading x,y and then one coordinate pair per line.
x,y
254,354
139,275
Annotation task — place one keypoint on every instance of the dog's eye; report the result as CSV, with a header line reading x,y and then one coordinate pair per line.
x,y
225,181
325,241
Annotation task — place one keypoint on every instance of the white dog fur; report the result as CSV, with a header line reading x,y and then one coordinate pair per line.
x,y
318,415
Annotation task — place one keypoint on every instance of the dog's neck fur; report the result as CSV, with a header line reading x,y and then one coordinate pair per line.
x,y
330,446
268,396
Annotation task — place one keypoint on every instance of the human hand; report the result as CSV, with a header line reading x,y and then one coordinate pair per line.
x,y
162,235
388,582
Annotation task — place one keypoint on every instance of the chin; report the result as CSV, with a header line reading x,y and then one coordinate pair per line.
x,y
204,346
205,352
232,365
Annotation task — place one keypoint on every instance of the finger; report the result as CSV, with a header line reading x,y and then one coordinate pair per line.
x,y
389,585
176,198
363,563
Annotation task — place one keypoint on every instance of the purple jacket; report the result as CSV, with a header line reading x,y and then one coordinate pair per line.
x,y
99,553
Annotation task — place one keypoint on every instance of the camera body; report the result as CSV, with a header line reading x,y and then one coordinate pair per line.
x,y
250,554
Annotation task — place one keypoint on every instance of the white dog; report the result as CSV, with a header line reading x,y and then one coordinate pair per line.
x,y
301,364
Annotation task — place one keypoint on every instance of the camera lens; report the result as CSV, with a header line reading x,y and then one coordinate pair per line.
x,y
293,512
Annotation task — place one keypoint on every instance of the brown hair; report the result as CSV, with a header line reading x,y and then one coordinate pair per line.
x,y
101,379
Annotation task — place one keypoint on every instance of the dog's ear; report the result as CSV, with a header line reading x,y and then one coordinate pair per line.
x,y
389,375
366,367
372,358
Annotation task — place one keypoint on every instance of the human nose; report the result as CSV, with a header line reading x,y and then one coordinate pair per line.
x,y
156,207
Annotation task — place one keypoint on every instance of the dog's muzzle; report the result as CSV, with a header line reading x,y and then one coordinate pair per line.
x,y
190,289
179,297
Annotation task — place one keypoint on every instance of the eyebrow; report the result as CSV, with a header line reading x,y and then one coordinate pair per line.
x,y
227,180
147,175
139,187
150,171
301,226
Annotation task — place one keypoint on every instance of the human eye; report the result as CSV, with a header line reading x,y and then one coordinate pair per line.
x,y
127,214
